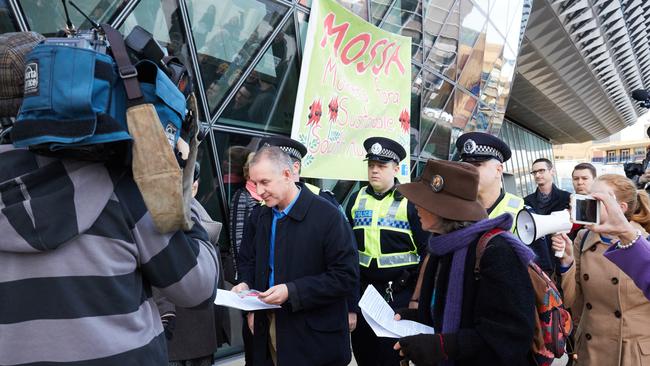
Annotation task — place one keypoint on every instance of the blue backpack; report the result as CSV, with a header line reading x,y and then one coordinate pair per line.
x,y
76,99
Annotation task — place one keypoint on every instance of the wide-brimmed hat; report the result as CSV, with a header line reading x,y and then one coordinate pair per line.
x,y
14,48
448,189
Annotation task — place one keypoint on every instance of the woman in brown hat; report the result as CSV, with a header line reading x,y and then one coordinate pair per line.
x,y
484,321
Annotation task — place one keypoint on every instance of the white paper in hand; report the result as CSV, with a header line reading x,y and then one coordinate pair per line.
x,y
380,317
249,302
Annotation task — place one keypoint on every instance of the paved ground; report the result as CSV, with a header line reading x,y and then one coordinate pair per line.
x,y
239,361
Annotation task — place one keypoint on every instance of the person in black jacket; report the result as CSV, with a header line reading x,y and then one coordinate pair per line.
x,y
547,198
484,319
297,249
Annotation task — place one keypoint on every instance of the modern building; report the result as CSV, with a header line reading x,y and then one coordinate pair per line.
x,y
533,72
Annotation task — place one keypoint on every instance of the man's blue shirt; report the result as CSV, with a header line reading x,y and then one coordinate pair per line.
x,y
277,215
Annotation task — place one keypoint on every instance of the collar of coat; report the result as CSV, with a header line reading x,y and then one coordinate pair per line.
x,y
594,238
300,208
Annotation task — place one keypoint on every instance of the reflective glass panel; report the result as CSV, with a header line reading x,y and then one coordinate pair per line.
x,y
436,93
435,13
464,106
492,62
438,139
378,9
48,16
266,99
358,7
442,57
501,15
227,36
405,18
303,23
163,20
470,77
484,5
233,150
7,23
472,25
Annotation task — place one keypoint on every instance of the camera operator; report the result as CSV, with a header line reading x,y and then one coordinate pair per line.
x,y
639,173
80,254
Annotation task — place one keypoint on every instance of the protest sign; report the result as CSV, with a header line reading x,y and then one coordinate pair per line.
x,y
355,83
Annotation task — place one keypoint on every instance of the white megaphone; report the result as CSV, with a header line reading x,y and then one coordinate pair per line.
x,y
531,226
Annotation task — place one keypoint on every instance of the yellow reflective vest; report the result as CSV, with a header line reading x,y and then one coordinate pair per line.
x,y
509,204
372,217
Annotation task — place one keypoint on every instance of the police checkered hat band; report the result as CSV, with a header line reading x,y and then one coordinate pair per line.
x,y
390,154
292,152
488,151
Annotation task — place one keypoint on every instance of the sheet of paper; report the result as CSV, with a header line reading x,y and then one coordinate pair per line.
x,y
380,317
248,302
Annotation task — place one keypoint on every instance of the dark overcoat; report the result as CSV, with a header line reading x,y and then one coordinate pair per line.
x,y
316,260
498,309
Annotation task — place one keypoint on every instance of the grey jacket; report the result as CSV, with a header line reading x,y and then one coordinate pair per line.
x,y
79,254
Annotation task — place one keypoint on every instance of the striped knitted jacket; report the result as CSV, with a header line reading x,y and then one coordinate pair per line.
x,y
78,256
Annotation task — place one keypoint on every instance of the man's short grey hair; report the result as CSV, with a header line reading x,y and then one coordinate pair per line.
x,y
278,158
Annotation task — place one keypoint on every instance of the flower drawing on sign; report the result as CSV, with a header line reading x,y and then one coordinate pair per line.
x,y
315,111
405,120
334,109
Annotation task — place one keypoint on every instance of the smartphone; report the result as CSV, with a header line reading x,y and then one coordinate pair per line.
x,y
585,209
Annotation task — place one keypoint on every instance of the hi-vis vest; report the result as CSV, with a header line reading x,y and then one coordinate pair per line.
x,y
373,216
315,190
509,204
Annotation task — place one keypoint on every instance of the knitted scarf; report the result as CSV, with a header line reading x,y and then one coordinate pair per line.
x,y
457,242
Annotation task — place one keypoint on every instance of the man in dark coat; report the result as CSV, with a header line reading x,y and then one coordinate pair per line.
x,y
547,198
297,250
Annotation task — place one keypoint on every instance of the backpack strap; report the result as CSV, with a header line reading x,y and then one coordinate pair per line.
x,y
125,68
481,246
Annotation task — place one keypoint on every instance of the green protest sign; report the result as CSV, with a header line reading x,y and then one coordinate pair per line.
x,y
355,83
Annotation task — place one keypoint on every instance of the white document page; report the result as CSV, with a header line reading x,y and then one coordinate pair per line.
x,y
380,317
248,302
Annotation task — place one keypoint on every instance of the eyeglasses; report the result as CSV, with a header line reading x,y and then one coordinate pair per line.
x,y
538,171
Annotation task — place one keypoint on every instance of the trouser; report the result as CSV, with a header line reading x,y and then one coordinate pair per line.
x,y
370,350
247,337
201,361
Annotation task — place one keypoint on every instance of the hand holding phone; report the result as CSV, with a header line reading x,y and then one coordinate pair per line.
x,y
585,209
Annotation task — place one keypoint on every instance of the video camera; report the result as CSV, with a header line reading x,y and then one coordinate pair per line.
x,y
140,43
642,97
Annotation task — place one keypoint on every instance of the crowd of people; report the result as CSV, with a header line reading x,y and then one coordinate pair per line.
x,y
88,279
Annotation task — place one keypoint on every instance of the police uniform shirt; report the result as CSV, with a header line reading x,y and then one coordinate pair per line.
x,y
420,237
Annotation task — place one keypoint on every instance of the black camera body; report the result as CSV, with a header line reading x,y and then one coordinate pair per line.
x,y
633,169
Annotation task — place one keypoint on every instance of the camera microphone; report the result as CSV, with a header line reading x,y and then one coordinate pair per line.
x,y
640,95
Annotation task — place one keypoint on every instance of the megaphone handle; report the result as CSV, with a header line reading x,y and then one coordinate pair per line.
x,y
560,253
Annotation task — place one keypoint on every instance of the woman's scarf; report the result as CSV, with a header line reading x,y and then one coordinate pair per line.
x,y
457,242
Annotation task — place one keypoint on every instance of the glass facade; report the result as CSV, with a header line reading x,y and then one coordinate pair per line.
x,y
245,58
526,147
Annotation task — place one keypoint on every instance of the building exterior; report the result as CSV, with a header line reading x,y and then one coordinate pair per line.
x,y
533,72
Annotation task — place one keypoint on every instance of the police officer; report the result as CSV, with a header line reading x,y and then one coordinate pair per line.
x,y
488,153
390,241
297,151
